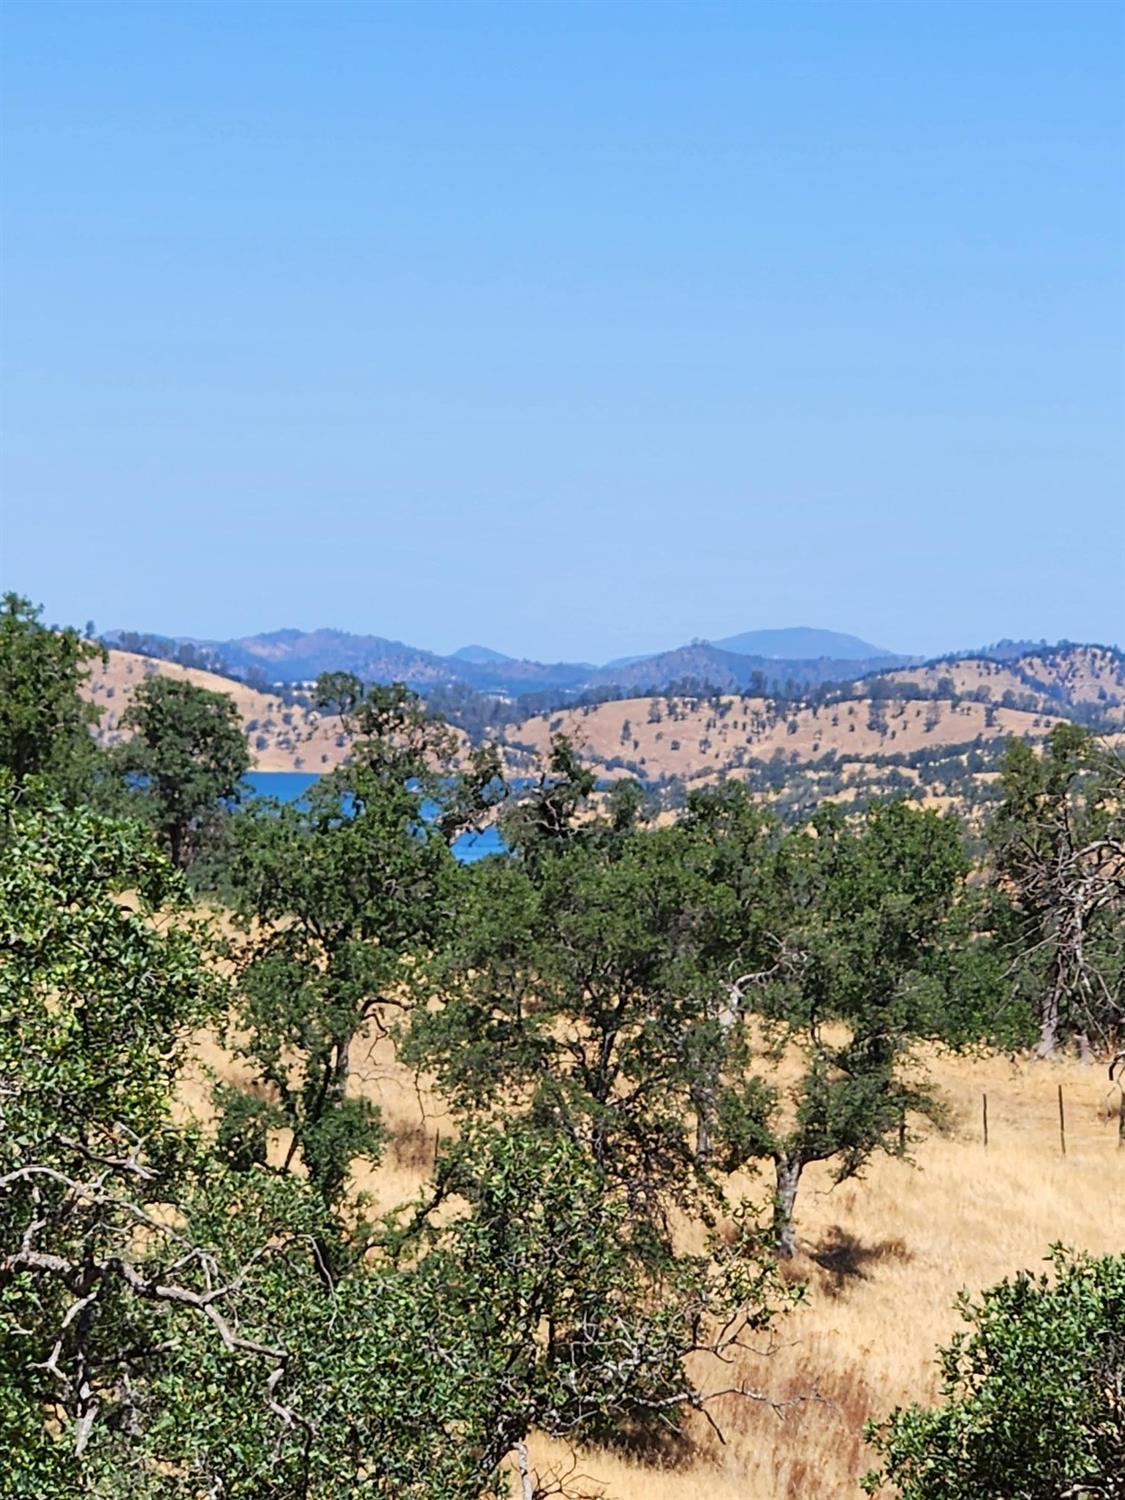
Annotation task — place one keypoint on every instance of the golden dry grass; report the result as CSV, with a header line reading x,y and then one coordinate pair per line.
x,y
284,738
883,1259
1087,674
688,740
697,738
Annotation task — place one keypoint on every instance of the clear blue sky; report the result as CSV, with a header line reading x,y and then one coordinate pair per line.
x,y
575,329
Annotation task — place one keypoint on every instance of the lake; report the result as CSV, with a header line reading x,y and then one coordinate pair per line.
x,y
290,786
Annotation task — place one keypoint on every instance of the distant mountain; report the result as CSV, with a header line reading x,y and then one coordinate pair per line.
x,y
292,656
731,671
478,656
299,655
801,643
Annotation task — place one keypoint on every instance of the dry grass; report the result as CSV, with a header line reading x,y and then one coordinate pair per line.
x,y
688,740
883,1259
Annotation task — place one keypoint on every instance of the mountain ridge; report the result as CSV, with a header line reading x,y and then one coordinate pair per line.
x,y
290,656
804,643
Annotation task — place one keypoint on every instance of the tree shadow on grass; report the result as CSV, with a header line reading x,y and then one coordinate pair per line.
x,y
845,1258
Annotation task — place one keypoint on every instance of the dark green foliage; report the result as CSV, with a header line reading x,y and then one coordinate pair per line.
x,y
1057,841
96,1004
1033,1395
343,898
181,1321
45,723
860,948
583,982
184,761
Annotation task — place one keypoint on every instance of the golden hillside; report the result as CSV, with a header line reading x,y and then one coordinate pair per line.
x,y
671,736
840,750
281,737
1092,675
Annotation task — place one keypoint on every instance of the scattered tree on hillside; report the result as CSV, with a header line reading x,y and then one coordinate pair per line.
x,y
184,762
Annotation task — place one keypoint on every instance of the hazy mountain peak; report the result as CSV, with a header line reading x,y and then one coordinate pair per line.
x,y
802,643
479,656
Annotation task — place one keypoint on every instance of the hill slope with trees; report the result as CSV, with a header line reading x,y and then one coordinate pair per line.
x,y
933,732
643,1056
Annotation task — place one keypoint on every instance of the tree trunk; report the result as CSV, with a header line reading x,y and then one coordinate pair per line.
x,y
1049,1013
527,1482
788,1172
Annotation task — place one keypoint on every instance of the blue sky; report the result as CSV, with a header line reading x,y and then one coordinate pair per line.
x,y
575,329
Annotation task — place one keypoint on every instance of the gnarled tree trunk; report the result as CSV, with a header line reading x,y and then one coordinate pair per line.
x,y
788,1174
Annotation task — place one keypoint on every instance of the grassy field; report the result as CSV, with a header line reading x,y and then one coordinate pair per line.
x,y
883,1259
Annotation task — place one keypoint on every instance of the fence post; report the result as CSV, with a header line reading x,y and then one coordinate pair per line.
x,y
1062,1123
984,1115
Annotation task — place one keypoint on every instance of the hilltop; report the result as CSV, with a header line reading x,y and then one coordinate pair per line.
x,y
282,734
934,732
760,662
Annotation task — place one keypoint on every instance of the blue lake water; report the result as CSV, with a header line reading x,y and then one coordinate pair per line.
x,y
290,786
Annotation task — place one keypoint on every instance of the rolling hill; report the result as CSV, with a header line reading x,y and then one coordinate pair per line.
x,y
932,732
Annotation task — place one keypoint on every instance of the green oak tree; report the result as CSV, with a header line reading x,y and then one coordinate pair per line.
x,y
184,760
1057,843
45,723
582,985
342,897
872,950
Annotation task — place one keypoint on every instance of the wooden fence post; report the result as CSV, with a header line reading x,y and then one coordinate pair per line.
x,y
984,1116
1062,1123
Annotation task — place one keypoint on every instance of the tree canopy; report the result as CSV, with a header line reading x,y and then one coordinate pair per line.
x,y
185,758
202,1302
45,722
